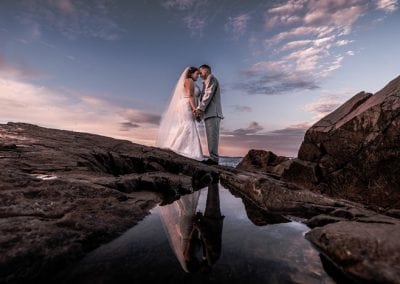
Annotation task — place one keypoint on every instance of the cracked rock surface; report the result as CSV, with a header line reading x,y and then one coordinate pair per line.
x,y
354,152
344,184
64,193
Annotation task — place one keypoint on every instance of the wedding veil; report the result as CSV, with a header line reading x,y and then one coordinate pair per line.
x,y
170,120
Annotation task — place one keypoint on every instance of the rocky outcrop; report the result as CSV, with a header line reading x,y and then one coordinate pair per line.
x,y
361,244
352,156
64,193
367,249
355,151
266,161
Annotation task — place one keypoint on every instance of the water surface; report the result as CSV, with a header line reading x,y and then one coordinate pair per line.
x,y
229,249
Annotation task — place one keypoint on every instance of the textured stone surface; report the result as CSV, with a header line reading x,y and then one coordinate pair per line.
x,y
362,245
356,149
367,249
260,160
64,193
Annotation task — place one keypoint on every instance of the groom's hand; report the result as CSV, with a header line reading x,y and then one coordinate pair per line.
x,y
197,112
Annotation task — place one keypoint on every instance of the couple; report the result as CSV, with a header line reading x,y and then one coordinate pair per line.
x,y
178,130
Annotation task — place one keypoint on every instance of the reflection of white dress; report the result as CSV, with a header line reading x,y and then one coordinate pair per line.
x,y
178,130
177,219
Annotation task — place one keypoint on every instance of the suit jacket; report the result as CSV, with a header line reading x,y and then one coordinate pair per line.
x,y
210,98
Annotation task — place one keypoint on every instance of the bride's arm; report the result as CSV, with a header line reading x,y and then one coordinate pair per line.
x,y
189,89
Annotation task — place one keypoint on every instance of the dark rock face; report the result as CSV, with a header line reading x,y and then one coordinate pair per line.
x,y
64,193
361,244
352,154
367,249
260,160
356,149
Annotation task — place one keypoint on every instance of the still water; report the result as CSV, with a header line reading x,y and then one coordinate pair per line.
x,y
205,237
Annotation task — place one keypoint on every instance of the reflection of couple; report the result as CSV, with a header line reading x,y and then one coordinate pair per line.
x,y
178,130
188,231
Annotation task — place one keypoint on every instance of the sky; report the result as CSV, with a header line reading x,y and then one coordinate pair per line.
x,y
109,66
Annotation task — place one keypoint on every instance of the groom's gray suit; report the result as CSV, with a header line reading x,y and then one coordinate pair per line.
x,y
210,104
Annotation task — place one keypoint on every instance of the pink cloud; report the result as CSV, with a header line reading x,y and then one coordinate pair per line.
x,y
284,141
387,5
17,70
24,102
327,103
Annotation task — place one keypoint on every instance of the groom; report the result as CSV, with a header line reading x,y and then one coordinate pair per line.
x,y
210,109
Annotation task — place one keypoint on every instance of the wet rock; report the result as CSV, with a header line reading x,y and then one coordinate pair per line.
x,y
271,194
367,251
64,193
357,241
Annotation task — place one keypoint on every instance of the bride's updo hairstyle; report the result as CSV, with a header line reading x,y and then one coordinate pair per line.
x,y
190,71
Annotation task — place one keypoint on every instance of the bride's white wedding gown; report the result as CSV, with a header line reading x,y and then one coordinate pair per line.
x,y
178,129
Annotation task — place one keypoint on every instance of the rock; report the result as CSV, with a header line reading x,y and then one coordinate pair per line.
x,y
368,251
302,173
64,193
356,149
393,213
322,220
360,244
260,160
271,194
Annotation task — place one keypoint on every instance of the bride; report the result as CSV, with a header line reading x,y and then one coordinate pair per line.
x,y
178,130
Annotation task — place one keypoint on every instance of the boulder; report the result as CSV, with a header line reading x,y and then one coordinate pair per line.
x,y
266,161
356,148
367,250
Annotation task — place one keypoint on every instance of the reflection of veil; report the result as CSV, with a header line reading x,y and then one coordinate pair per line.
x,y
170,120
178,223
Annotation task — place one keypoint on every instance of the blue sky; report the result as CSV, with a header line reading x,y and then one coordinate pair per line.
x,y
109,66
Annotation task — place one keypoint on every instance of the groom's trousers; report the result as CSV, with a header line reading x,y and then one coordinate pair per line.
x,y
212,133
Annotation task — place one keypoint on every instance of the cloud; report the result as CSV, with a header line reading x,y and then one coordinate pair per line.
x,y
284,141
195,24
179,4
343,42
293,130
24,102
387,5
327,103
126,126
65,6
17,70
302,47
237,25
238,108
195,15
285,13
282,78
283,84
254,127
73,19
140,117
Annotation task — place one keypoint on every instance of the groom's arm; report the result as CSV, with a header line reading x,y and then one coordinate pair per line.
x,y
209,92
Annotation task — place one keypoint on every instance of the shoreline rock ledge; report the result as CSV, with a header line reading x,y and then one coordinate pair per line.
x,y
354,152
64,193
350,161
